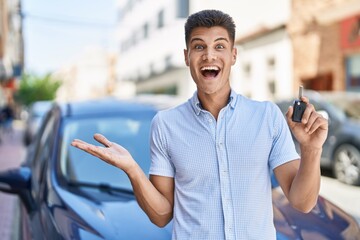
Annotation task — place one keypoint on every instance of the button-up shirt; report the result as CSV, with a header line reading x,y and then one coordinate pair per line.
x,y
221,167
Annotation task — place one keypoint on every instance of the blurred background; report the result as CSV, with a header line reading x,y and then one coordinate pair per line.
x,y
72,50
128,47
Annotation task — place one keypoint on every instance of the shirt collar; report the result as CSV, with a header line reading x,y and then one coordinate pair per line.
x,y
195,102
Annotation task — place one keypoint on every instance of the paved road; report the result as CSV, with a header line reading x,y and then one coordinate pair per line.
x,y
12,153
345,196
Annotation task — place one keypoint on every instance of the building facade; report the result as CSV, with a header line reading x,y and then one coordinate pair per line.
x,y
326,42
11,48
151,39
91,75
264,64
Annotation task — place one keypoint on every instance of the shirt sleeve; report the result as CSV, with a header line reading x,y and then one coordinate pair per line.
x,y
283,148
160,160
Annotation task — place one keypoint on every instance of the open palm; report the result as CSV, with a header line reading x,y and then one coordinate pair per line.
x,y
110,152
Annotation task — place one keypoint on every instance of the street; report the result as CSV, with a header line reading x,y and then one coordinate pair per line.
x,y
345,196
12,153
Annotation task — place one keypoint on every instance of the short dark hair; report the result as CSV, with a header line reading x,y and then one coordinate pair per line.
x,y
209,18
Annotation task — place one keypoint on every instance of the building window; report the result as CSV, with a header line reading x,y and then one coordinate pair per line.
x,y
168,63
182,8
134,39
161,19
146,30
353,73
152,69
246,70
271,62
272,86
271,65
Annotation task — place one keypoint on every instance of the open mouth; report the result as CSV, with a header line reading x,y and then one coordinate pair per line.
x,y
210,71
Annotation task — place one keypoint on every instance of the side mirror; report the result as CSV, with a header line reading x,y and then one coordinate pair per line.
x,y
15,180
18,181
325,114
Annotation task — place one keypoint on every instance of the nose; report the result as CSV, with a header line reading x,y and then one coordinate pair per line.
x,y
209,55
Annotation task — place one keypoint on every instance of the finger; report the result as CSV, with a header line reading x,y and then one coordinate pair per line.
x,y
78,141
81,145
289,113
319,123
305,100
89,148
102,139
311,121
307,113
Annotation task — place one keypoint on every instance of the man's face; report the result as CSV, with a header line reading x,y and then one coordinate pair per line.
x,y
210,55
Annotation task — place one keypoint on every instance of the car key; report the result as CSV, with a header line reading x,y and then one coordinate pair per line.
x,y
299,107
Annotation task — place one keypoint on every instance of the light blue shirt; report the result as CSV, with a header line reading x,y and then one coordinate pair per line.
x,y
221,168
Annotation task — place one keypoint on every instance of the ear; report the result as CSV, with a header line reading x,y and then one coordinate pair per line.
x,y
186,56
234,55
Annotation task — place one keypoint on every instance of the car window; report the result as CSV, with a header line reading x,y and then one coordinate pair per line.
x,y
347,108
131,132
42,153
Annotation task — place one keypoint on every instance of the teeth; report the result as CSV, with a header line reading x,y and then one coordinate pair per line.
x,y
210,68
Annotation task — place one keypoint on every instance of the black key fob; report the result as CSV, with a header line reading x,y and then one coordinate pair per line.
x,y
299,107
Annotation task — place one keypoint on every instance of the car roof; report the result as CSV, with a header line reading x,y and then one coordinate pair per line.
x,y
102,107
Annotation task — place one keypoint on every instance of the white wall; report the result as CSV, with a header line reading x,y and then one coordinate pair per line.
x,y
161,43
257,53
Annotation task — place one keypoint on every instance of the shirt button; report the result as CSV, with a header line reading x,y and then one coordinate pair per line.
x,y
210,120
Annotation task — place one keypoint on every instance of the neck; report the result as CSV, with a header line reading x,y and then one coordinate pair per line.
x,y
214,102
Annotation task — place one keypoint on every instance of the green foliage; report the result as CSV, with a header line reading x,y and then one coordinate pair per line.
x,y
36,88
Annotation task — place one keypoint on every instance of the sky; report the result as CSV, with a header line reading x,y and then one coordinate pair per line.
x,y
55,31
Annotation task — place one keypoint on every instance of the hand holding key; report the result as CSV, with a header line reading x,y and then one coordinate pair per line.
x,y
309,127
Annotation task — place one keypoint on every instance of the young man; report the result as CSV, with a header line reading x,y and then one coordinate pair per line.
x,y
212,156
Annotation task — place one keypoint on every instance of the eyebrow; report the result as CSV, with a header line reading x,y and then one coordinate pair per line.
x,y
216,40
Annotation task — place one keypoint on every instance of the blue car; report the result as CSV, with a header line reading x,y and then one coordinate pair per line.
x,y
68,194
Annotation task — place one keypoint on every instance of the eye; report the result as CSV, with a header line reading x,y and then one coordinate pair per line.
x,y
199,47
220,46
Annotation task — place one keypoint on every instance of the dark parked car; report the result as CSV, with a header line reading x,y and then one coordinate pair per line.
x,y
68,194
341,150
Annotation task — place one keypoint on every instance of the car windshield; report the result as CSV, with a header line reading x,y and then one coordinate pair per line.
x,y
348,103
350,108
336,110
130,132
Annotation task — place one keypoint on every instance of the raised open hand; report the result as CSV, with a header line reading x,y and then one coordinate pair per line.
x,y
111,153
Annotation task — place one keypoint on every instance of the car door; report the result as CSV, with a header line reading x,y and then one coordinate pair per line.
x,y
38,219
